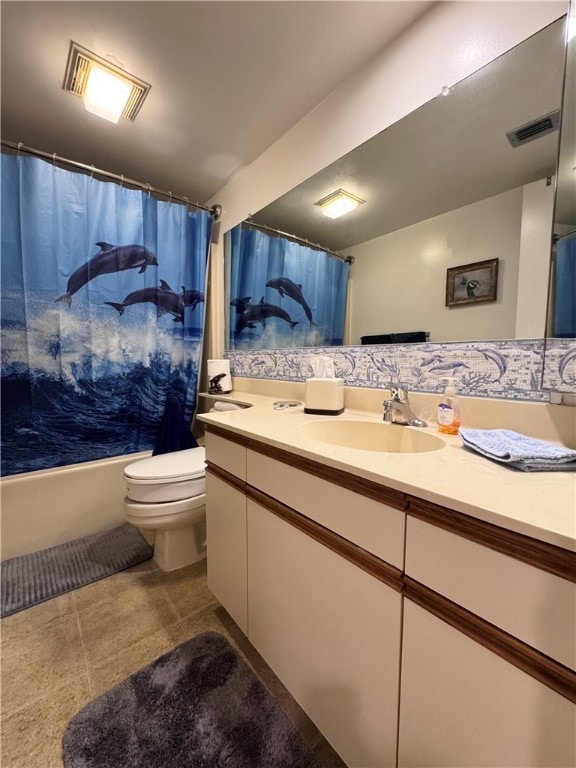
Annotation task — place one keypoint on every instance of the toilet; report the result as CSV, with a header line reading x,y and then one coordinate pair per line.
x,y
166,494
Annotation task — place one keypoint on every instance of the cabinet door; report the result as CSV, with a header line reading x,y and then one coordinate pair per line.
x,y
462,706
226,545
331,632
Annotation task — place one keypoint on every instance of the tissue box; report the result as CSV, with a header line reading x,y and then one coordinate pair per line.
x,y
324,396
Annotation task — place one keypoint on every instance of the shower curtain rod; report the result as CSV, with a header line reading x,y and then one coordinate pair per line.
x,y
347,259
568,233
215,210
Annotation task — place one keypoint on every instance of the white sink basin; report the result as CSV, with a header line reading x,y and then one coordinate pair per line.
x,y
373,436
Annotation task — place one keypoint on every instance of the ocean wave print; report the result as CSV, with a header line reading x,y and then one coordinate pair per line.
x,y
79,385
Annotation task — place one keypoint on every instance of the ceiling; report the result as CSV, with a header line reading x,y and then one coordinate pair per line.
x,y
451,152
228,78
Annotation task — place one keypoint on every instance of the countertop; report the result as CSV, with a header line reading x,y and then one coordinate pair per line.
x,y
537,504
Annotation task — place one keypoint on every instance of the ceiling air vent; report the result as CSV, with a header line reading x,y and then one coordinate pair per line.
x,y
78,68
534,129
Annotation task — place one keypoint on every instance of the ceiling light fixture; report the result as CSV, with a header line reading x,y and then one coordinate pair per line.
x,y
106,94
107,90
338,203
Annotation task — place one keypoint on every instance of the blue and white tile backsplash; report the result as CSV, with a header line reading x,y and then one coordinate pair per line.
x,y
510,370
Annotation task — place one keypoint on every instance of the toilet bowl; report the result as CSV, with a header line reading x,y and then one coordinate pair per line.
x,y
166,494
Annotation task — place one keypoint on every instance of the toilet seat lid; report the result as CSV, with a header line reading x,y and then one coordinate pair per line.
x,y
177,465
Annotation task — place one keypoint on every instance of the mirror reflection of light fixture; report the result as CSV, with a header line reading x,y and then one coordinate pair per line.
x,y
106,89
338,203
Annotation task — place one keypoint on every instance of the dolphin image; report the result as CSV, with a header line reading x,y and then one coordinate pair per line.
x,y
430,360
495,357
110,258
191,298
566,358
444,367
384,367
241,304
286,287
166,301
259,313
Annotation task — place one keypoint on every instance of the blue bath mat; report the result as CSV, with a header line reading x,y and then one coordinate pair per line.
x,y
31,579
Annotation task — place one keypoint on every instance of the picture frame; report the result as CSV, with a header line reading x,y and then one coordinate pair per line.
x,y
472,283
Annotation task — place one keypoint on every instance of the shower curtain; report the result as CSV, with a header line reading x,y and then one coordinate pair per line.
x,y
565,288
282,293
102,316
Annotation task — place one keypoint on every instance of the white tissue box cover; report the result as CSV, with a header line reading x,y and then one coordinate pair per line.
x,y
323,394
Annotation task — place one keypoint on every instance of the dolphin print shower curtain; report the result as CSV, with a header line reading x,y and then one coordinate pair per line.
x,y
282,293
101,315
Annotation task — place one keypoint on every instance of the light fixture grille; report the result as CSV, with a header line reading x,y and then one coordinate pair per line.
x,y
339,193
78,68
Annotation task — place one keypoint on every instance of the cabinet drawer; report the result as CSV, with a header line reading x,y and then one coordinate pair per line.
x,y
227,455
537,607
372,525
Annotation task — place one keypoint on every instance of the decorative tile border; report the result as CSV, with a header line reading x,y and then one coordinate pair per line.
x,y
560,368
509,370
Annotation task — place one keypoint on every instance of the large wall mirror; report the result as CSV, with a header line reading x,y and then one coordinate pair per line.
x,y
467,178
558,373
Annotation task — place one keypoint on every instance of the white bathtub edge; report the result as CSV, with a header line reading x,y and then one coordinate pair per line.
x,y
52,506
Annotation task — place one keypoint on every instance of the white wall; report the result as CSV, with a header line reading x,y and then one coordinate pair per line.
x,y
535,239
446,45
399,279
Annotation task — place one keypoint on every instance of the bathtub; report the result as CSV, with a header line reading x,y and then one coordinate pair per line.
x,y
52,506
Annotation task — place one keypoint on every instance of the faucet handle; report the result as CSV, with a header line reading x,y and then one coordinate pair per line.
x,y
399,394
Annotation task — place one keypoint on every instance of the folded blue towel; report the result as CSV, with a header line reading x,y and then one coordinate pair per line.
x,y
519,451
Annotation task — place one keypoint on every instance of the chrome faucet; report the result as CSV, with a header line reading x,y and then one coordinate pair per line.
x,y
397,410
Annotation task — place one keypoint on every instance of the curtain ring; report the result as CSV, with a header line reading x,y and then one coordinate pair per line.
x,y
169,195
20,145
92,174
122,180
54,159
149,187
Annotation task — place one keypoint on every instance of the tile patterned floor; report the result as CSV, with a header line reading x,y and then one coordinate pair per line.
x,y
57,656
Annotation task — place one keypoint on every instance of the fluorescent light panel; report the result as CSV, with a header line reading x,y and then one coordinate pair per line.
x,y
338,203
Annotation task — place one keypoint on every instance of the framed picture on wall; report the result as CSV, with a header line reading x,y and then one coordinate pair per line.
x,y
472,283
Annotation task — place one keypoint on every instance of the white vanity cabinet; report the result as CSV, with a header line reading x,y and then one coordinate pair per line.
x,y
489,646
324,598
413,635
324,608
